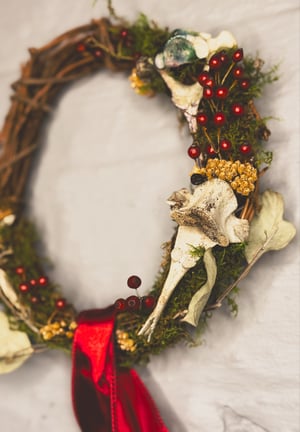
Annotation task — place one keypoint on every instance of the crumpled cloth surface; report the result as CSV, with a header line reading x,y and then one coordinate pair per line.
x,y
110,159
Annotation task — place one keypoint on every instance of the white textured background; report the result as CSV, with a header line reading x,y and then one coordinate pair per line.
x,y
110,159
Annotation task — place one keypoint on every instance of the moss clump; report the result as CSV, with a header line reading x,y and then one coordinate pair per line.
x,y
170,330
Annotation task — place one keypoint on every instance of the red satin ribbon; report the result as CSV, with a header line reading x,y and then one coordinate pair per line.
x,y
107,399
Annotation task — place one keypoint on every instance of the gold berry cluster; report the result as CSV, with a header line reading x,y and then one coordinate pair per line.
x,y
58,328
241,176
139,85
124,341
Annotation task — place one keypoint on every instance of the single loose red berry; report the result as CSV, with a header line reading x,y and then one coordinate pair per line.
x,y
208,92
237,109
215,62
137,55
203,77
148,302
210,150
244,83
80,47
224,57
124,33
60,303
134,282
245,148
225,144
33,282
210,82
98,53
219,118
202,119
24,287
20,270
43,280
34,300
222,92
194,152
133,303
238,72
238,55
120,305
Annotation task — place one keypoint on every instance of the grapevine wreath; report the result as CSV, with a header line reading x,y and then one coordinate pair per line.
x,y
224,223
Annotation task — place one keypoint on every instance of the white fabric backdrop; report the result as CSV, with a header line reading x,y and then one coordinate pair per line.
x,y
128,152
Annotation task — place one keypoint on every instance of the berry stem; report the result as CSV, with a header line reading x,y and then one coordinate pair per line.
x,y
209,139
227,73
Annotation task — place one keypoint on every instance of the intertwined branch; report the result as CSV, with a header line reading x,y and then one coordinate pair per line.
x,y
43,77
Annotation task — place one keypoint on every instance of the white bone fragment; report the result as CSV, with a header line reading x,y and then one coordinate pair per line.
x,y
205,218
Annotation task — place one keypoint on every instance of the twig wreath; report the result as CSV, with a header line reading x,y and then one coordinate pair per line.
x,y
224,223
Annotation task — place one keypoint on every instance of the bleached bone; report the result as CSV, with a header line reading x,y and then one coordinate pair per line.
x,y
205,218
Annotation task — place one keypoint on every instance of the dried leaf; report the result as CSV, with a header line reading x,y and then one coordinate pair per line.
x,y
199,300
15,346
7,290
268,230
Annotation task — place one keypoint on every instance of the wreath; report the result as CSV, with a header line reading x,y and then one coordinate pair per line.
x,y
224,224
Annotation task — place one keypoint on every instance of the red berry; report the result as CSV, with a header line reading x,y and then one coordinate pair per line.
x,y
202,119
215,62
137,55
244,83
224,57
34,300
60,303
148,302
225,144
20,270
238,72
237,109
120,305
134,282
245,148
210,151
24,287
238,55
222,92
124,33
80,47
193,152
209,82
33,282
98,53
43,280
203,77
133,303
219,118
208,93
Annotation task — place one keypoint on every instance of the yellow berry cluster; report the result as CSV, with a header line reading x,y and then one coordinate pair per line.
x,y
58,328
138,85
124,341
241,176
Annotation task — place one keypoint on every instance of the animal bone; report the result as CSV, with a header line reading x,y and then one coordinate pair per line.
x,y
205,218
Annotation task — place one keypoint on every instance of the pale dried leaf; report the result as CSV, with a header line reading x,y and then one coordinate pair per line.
x,y
15,346
199,300
268,230
8,291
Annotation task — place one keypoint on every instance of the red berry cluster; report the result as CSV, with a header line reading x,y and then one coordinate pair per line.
x,y
224,75
97,52
134,303
124,37
32,287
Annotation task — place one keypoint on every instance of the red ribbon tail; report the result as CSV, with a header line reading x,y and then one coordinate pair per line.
x,y
106,399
